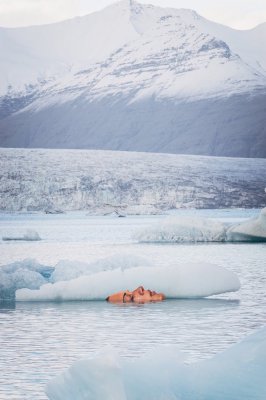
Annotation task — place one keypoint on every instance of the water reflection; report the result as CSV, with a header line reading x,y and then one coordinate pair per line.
x,y
7,305
168,305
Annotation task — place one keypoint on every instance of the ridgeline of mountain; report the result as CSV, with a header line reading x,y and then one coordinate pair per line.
x,y
138,78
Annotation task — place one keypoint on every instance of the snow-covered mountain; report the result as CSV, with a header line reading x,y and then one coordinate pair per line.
x,y
125,182
135,77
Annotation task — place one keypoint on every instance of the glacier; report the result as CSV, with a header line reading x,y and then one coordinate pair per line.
x,y
191,230
164,80
236,374
102,182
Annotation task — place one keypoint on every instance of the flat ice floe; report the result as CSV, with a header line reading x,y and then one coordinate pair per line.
x,y
177,281
194,229
236,374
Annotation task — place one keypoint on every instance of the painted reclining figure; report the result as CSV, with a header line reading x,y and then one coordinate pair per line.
x,y
139,295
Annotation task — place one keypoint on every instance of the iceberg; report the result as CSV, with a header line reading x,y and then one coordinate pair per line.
x,y
184,229
27,273
29,280
30,235
253,230
236,374
194,229
177,281
31,274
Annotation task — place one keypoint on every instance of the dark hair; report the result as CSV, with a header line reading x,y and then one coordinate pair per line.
x,y
107,298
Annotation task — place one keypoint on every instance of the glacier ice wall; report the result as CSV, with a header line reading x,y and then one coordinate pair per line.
x,y
102,181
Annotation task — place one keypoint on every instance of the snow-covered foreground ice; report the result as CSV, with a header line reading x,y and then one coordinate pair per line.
x,y
236,374
181,281
194,229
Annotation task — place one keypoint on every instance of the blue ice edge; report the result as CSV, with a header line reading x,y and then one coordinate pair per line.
x,y
236,374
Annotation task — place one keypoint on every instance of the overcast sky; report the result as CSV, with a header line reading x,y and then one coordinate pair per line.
x,y
239,14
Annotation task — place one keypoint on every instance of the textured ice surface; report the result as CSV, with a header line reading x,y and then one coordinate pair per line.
x,y
194,229
102,181
178,281
30,235
236,374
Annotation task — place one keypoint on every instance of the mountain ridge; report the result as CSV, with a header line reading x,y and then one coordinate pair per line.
x,y
111,96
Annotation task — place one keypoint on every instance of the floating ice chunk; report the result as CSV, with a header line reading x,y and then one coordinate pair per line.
x,y
22,274
90,379
30,235
30,274
251,230
187,229
236,374
184,229
181,281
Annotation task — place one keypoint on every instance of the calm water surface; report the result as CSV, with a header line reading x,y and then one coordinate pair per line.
x,y
39,340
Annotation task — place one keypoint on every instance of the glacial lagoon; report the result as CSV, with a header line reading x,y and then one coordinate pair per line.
x,y
39,340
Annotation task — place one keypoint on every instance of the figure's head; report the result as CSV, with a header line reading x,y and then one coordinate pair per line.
x,y
141,295
124,296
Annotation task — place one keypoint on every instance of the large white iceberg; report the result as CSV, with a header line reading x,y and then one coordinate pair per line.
x,y
178,281
236,374
194,229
